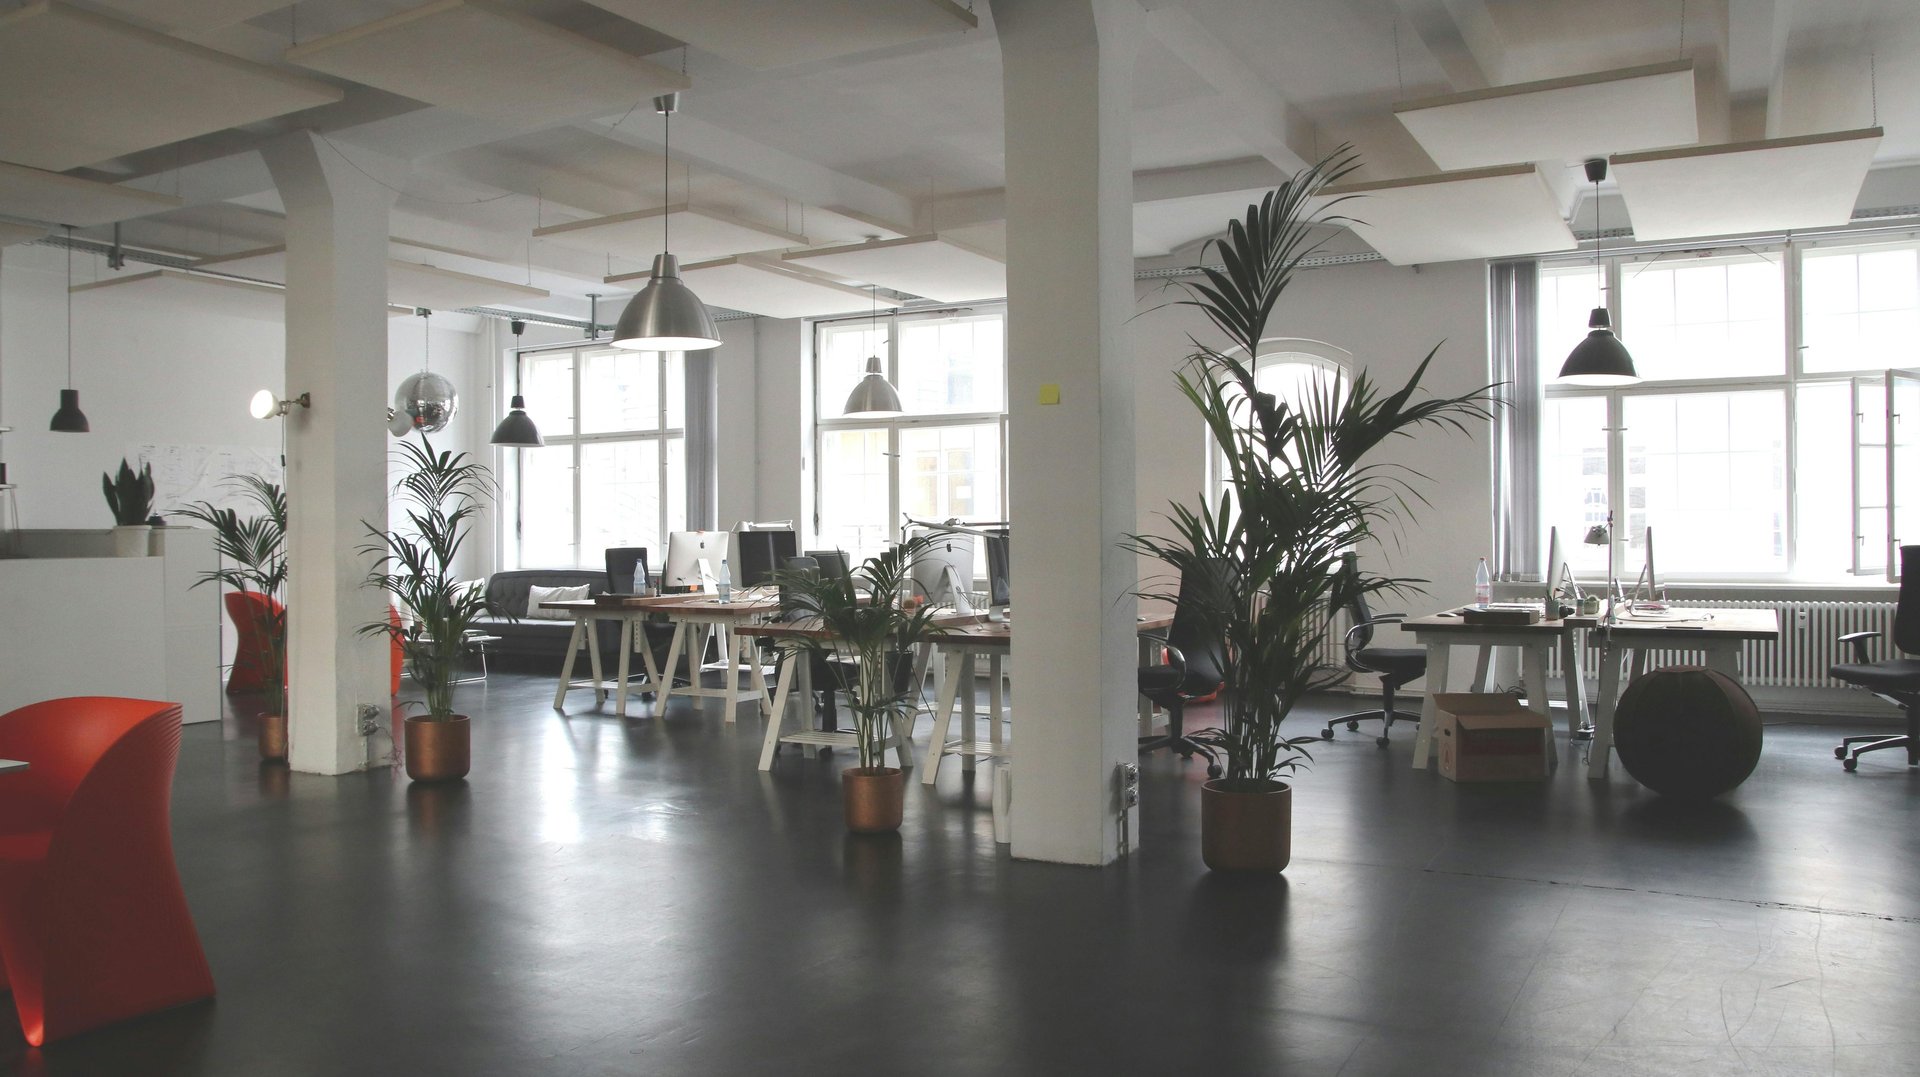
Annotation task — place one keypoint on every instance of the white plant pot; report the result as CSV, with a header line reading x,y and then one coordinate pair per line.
x,y
130,540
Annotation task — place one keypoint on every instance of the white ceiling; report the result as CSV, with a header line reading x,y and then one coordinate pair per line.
x,y
516,116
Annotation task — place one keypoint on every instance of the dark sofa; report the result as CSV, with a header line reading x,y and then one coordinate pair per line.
x,y
536,637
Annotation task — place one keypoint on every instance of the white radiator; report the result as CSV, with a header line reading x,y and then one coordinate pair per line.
x,y
1809,641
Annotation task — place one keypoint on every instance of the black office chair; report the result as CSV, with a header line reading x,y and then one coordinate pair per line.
x,y
1193,666
1394,665
623,564
1896,680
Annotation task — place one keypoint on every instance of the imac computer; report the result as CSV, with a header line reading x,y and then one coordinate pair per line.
x,y
1652,601
943,570
1556,573
760,552
692,557
998,579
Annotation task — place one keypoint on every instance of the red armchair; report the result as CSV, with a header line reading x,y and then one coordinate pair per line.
x,y
253,615
93,925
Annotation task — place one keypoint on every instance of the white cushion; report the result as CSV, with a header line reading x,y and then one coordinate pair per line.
x,y
537,594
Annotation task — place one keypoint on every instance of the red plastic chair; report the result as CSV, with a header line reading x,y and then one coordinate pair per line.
x,y
93,925
252,614
397,657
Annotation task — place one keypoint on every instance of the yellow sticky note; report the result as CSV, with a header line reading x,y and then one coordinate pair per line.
x,y
1050,393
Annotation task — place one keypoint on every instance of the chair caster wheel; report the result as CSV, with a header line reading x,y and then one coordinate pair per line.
x,y
1840,752
1849,765
1327,733
1213,770
1354,726
1381,741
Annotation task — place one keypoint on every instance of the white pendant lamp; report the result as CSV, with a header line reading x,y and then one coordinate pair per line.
x,y
1599,358
666,316
873,395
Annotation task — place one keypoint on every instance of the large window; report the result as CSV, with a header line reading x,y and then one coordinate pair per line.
x,y
1293,371
942,457
613,471
1754,445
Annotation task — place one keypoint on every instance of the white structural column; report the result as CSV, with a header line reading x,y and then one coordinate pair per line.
x,y
1067,70
336,451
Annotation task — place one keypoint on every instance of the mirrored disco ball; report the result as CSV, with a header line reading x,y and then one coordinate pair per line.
x,y
427,400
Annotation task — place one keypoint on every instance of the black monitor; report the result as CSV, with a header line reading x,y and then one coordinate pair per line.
x,y
997,578
832,562
761,552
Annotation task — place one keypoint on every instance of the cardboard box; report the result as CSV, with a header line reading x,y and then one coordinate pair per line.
x,y
1491,738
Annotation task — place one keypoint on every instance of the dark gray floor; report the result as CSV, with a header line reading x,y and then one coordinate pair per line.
x,y
633,897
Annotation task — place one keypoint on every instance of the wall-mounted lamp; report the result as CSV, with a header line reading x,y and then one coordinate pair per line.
x,y
266,405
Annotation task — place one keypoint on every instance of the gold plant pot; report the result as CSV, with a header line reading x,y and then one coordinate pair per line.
x,y
1246,825
438,751
273,738
874,798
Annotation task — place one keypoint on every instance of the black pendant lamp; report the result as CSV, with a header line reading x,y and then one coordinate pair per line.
x,y
69,419
1600,358
517,431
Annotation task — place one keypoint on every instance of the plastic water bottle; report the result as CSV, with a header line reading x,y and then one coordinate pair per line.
x,y
1482,585
725,582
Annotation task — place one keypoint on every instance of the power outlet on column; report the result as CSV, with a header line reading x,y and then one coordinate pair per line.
x,y
369,719
1129,785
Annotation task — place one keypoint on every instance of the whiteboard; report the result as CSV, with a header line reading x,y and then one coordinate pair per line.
x,y
185,474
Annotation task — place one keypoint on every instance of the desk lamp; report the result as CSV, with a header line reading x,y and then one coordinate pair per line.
x,y
1602,535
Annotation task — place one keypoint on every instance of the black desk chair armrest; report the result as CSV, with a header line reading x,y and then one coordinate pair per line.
x,y
1383,619
1858,640
1175,657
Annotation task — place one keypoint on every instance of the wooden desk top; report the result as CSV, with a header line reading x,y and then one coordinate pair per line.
x,y
744,605
951,629
1679,621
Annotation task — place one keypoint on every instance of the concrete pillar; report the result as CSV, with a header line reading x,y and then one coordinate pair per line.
x,y
337,450
1067,67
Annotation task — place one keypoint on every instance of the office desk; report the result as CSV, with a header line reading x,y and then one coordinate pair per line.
x,y
1439,633
794,667
686,612
1716,633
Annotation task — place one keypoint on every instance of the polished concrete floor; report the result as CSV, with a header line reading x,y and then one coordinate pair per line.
x,y
633,897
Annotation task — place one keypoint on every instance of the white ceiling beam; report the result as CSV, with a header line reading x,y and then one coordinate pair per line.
x,y
1757,32
1156,185
1460,36
1272,126
717,149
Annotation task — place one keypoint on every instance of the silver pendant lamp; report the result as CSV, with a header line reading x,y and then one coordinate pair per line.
x,y
1600,358
666,316
873,395
517,431
69,419
425,401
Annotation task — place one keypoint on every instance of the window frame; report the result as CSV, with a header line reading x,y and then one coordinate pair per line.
x,y
894,426
662,435
1319,353
1790,382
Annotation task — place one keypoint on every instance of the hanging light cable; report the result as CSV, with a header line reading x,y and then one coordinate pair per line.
x,y
517,431
1600,358
69,419
666,316
873,395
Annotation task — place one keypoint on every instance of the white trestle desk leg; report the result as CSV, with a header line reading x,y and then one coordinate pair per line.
x,y
1482,668
673,663
1724,658
1430,706
1573,664
942,719
777,718
566,667
757,679
969,712
593,663
620,668
1533,659
646,660
730,658
1610,659
995,712
809,717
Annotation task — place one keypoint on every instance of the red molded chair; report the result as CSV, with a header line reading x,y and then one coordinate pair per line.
x,y
398,657
93,925
253,616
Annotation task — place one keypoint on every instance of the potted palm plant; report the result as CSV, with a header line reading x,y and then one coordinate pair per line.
x,y
870,635
130,499
253,559
440,495
1300,495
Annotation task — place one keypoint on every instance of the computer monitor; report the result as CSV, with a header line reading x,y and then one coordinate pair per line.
x,y
760,552
1646,580
1556,572
943,571
831,562
998,580
685,551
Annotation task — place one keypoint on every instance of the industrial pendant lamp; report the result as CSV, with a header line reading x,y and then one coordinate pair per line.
x,y
69,419
517,431
1600,359
666,316
873,395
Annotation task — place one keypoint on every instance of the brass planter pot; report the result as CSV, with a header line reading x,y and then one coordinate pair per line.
x,y
273,738
874,798
1246,825
438,751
